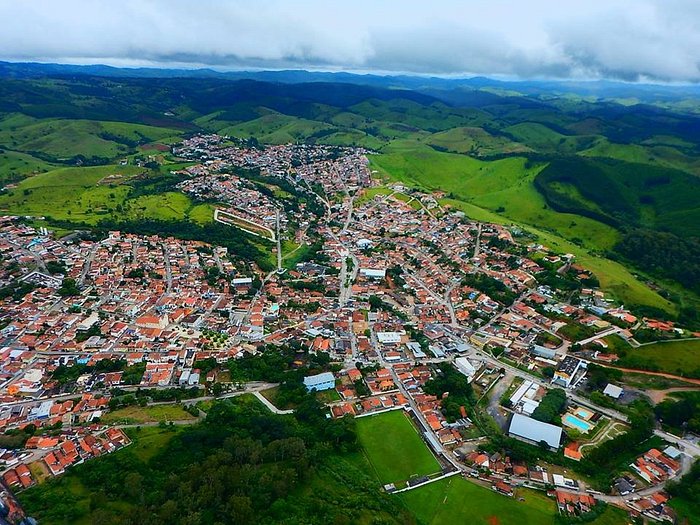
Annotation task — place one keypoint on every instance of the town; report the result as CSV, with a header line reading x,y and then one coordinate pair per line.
x,y
390,299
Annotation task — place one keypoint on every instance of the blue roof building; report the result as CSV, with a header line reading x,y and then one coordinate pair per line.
x,y
324,381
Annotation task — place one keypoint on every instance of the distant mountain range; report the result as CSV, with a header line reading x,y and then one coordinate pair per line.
x,y
597,88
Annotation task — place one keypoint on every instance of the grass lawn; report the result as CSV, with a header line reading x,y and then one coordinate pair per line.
x,y
328,396
369,193
645,381
688,512
148,441
136,414
272,395
675,357
611,516
456,500
394,448
40,471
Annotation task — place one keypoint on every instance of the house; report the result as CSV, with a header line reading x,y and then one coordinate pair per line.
x,y
315,383
371,273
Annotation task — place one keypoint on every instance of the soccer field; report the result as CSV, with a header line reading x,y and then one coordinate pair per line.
x,y
394,448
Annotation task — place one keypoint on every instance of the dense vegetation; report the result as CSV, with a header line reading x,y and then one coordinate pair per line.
x,y
551,406
686,494
242,465
680,414
664,254
460,393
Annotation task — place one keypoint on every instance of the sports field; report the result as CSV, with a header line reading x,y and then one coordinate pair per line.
x,y
456,500
394,448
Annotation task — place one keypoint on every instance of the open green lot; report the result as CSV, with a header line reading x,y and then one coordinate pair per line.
x,y
687,512
156,413
394,448
675,357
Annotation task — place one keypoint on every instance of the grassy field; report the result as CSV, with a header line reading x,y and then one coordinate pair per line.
x,y
370,193
502,186
455,500
474,141
15,166
276,128
611,516
135,414
675,357
66,138
394,448
83,195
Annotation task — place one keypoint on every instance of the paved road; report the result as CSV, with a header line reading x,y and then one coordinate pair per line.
x,y
88,264
477,245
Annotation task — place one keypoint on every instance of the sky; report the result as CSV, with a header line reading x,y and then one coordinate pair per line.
x,y
631,40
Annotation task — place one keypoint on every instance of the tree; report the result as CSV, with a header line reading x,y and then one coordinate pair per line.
x,y
68,288
217,389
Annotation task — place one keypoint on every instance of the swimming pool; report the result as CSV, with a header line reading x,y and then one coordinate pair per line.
x,y
584,414
572,421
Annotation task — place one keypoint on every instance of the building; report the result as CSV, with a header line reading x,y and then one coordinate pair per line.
x,y
613,391
389,338
542,351
566,371
324,381
371,273
465,367
534,432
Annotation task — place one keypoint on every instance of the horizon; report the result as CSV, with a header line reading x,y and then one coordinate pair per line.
x,y
357,73
644,41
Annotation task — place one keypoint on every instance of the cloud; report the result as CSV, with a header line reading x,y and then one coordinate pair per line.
x,y
622,39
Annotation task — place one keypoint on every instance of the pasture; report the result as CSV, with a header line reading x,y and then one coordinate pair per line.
x,y
82,195
674,357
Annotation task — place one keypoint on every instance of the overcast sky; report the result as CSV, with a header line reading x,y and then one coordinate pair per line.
x,y
617,39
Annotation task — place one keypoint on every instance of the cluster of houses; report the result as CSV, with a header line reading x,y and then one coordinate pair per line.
x,y
655,466
51,456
